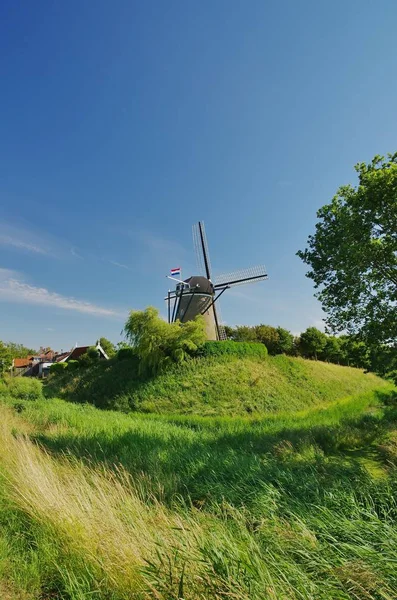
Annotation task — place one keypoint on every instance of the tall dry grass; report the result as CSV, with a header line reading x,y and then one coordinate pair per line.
x,y
97,515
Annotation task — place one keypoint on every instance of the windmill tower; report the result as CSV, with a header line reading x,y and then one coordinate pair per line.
x,y
199,294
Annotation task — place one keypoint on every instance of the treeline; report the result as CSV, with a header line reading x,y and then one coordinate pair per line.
x,y
10,350
343,350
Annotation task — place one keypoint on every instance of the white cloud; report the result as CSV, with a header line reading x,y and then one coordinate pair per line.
x,y
120,265
13,289
20,244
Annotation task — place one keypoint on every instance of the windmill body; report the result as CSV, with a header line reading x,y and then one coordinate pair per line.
x,y
199,294
196,297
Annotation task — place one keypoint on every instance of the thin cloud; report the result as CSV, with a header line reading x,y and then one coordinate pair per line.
x,y
13,289
161,248
319,323
20,244
74,253
120,265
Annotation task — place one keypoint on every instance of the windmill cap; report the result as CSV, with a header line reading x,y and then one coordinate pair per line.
x,y
205,286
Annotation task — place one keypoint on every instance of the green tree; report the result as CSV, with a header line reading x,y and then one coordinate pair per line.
x,y
5,358
356,352
285,343
230,332
244,333
108,347
158,343
353,254
10,350
267,335
312,342
19,350
333,350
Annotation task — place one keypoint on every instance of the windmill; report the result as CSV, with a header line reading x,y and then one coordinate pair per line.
x,y
199,294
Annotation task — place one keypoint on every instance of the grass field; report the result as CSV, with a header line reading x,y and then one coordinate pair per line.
x,y
295,504
215,386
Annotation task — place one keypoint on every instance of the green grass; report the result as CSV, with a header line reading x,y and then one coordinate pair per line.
x,y
293,500
289,505
215,386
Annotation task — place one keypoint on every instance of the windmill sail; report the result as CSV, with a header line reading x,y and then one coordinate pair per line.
x,y
250,275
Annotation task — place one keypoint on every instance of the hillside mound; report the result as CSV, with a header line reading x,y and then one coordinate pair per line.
x,y
214,386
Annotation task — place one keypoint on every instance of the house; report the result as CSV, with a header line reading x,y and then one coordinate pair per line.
x,y
78,351
21,364
39,366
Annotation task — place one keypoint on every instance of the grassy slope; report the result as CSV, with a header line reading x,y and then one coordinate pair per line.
x,y
214,386
283,507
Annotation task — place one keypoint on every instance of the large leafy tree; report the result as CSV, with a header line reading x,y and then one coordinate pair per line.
x,y
353,254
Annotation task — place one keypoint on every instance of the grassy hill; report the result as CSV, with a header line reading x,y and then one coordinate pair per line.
x,y
215,386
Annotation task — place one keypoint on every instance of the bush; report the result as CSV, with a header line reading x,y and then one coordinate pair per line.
x,y
58,367
240,349
90,357
126,354
72,365
22,388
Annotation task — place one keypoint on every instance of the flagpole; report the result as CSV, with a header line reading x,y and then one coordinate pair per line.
x,y
175,279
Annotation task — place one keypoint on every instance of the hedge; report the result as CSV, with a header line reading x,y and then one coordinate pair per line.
x,y
241,349
58,367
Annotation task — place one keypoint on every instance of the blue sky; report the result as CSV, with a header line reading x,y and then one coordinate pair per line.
x,y
122,123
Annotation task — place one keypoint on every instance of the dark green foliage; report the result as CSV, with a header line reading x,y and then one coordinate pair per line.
x,y
276,339
92,353
90,357
72,364
59,367
127,354
242,349
312,342
353,254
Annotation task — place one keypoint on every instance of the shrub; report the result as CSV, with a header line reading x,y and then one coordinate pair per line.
x,y
22,388
90,357
126,354
72,365
58,367
241,349
92,353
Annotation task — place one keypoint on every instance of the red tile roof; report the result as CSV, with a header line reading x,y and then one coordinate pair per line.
x,y
21,362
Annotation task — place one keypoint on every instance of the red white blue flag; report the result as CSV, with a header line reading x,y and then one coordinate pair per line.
x,y
176,271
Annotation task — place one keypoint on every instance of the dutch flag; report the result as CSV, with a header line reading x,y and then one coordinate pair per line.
x,y
176,271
